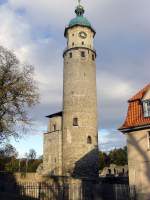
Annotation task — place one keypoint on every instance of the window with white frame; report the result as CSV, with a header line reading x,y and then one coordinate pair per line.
x,y
146,108
148,140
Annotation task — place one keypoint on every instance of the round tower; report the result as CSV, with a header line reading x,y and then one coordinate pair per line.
x,y
80,134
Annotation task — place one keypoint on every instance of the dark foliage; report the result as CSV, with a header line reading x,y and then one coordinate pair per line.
x,y
116,156
10,163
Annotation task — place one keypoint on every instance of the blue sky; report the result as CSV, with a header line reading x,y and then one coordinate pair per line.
x,y
34,31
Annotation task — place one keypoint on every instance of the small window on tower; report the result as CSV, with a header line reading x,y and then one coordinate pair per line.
x,y
70,55
75,121
73,34
82,54
93,57
89,140
82,43
54,127
73,44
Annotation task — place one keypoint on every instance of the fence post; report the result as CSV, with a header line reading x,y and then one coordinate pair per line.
x,y
39,196
116,194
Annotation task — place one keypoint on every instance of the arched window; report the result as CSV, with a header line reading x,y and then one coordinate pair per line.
x,y
89,140
82,43
73,44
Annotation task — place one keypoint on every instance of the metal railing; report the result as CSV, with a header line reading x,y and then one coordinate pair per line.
x,y
47,191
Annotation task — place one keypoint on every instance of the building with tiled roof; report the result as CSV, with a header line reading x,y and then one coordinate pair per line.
x,y
137,129
138,114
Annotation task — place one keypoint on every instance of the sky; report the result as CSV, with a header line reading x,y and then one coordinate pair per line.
x,y
34,31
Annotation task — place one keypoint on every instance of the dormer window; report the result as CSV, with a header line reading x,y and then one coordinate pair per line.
x,y
146,108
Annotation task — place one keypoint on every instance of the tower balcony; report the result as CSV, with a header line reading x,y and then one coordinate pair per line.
x,y
77,48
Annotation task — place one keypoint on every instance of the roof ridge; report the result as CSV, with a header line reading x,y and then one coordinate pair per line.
x,y
139,95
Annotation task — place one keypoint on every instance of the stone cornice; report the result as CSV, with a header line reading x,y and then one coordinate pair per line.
x,y
76,48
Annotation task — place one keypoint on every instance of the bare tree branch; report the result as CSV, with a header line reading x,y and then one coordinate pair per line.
x,y
18,91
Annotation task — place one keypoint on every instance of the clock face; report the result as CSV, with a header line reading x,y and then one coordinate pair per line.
x,y
83,35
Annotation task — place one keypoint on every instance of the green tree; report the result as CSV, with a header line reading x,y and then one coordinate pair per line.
x,y
8,158
18,91
101,160
12,165
33,165
104,160
119,156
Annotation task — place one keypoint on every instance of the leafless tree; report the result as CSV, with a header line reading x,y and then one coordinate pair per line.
x,y
32,154
18,91
8,151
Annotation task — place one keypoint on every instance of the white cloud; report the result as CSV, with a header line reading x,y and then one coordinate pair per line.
x,y
14,31
113,87
110,139
16,34
108,16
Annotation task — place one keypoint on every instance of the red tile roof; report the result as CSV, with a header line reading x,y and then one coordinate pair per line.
x,y
135,116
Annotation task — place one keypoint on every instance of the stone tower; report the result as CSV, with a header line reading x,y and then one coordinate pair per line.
x,y
80,134
71,141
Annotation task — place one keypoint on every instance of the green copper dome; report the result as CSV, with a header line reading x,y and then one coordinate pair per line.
x,y
79,19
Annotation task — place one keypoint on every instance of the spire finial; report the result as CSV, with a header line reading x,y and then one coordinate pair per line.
x,y
79,10
79,1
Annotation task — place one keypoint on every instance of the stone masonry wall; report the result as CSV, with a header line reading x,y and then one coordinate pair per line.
x,y
73,37
52,156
